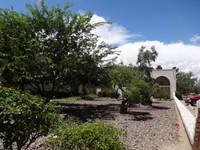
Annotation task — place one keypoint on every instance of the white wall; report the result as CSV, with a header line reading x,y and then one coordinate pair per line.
x,y
168,73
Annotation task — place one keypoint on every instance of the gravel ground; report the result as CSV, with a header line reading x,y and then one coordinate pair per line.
x,y
149,128
144,128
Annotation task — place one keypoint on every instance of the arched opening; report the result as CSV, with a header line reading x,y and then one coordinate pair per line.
x,y
164,84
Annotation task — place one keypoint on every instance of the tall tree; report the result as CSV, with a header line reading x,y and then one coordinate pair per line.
x,y
145,59
50,48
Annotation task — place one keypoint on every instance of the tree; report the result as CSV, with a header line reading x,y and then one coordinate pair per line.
x,y
197,87
136,83
144,60
132,84
159,67
14,39
58,45
185,82
24,118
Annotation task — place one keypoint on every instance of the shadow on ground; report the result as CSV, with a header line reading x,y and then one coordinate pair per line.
x,y
160,107
90,112
84,113
141,116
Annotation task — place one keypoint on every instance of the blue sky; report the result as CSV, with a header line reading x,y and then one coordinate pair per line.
x,y
165,20
172,26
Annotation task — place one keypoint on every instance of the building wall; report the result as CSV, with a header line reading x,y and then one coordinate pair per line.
x,y
170,74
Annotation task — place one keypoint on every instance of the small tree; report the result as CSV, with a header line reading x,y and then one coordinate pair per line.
x,y
24,118
130,81
136,83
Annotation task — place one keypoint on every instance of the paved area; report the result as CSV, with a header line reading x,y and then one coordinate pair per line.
x,y
192,109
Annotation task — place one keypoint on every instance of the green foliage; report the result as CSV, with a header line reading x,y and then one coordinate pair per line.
x,y
165,97
90,136
156,91
50,39
104,94
144,60
66,100
138,91
131,82
185,82
90,97
122,75
24,118
197,87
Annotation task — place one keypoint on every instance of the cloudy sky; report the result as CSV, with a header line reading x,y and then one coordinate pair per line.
x,y
172,26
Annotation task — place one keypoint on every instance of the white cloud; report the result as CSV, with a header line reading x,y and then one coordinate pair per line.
x,y
195,38
111,33
183,56
180,55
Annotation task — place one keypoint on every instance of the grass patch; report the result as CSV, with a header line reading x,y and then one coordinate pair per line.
x,y
90,97
66,100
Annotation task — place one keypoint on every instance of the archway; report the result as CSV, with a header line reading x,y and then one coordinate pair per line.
x,y
164,85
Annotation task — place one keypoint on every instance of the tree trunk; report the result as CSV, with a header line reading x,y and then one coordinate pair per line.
x,y
124,107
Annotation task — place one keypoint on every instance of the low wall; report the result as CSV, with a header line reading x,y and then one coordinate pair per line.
x,y
191,123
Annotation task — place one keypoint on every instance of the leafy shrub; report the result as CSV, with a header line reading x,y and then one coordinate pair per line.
x,y
90,97
156,91
24,118
104,94
88,136
114,95
165,97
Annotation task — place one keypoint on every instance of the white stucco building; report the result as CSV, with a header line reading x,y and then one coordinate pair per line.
x,y
166,78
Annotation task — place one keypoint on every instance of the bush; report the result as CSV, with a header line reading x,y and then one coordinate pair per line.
x,y
104,94
24,118
88,136
90,97
114,95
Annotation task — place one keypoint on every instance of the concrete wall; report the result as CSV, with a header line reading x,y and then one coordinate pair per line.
x,y
170,74
190,122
